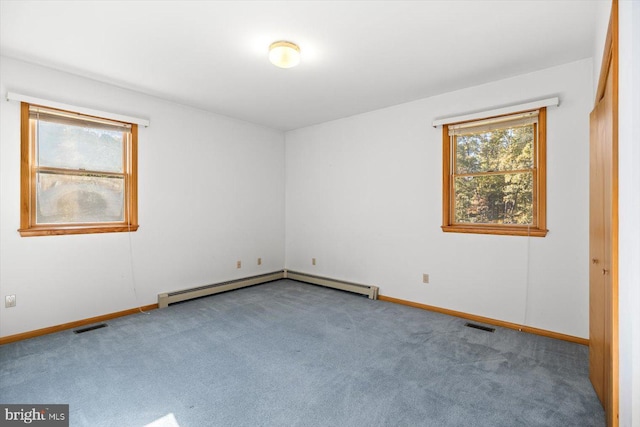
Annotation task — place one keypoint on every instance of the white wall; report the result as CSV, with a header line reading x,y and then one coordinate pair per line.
x,y
629,211
603,11
211,191
364,198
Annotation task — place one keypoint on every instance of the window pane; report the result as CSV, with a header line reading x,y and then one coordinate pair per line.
x,y
76,147
497,150
494,199
78,199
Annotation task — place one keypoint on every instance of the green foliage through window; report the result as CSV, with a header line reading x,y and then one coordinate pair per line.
x,y
493,177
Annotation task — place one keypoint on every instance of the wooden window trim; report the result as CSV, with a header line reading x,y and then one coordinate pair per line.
x,y
28,226
539,229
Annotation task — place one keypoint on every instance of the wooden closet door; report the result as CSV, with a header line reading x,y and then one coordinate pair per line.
x,y
596,254
603,301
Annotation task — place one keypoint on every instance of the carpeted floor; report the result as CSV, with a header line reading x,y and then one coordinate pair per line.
x,y
292,354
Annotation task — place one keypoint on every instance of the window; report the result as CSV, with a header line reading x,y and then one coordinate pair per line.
x,y
78,173
494,175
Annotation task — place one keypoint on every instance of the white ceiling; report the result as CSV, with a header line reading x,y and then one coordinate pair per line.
x,y
357,56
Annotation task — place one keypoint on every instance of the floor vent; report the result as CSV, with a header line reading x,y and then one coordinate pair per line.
x,y
482,328
90,328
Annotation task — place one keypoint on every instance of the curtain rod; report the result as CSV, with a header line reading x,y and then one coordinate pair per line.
x,y
499,111
12,96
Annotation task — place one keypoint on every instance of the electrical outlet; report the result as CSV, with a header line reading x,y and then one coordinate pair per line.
x,y
313,261
10,301
239,264
425,278
259,261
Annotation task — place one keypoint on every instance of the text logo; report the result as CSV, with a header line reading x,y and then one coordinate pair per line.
x,y
34,415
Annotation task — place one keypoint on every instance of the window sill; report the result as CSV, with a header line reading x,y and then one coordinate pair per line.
x,y
75,229
500,231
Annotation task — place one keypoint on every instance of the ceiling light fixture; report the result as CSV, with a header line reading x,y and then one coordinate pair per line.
x,y
284,54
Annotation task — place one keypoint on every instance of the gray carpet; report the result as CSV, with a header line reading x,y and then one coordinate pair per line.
x,y
292,354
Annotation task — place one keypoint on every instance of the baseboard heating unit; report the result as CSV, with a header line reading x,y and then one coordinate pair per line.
x,y
202,291
368,290
167,298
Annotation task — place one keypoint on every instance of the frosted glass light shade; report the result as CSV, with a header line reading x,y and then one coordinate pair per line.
x,y
284,54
